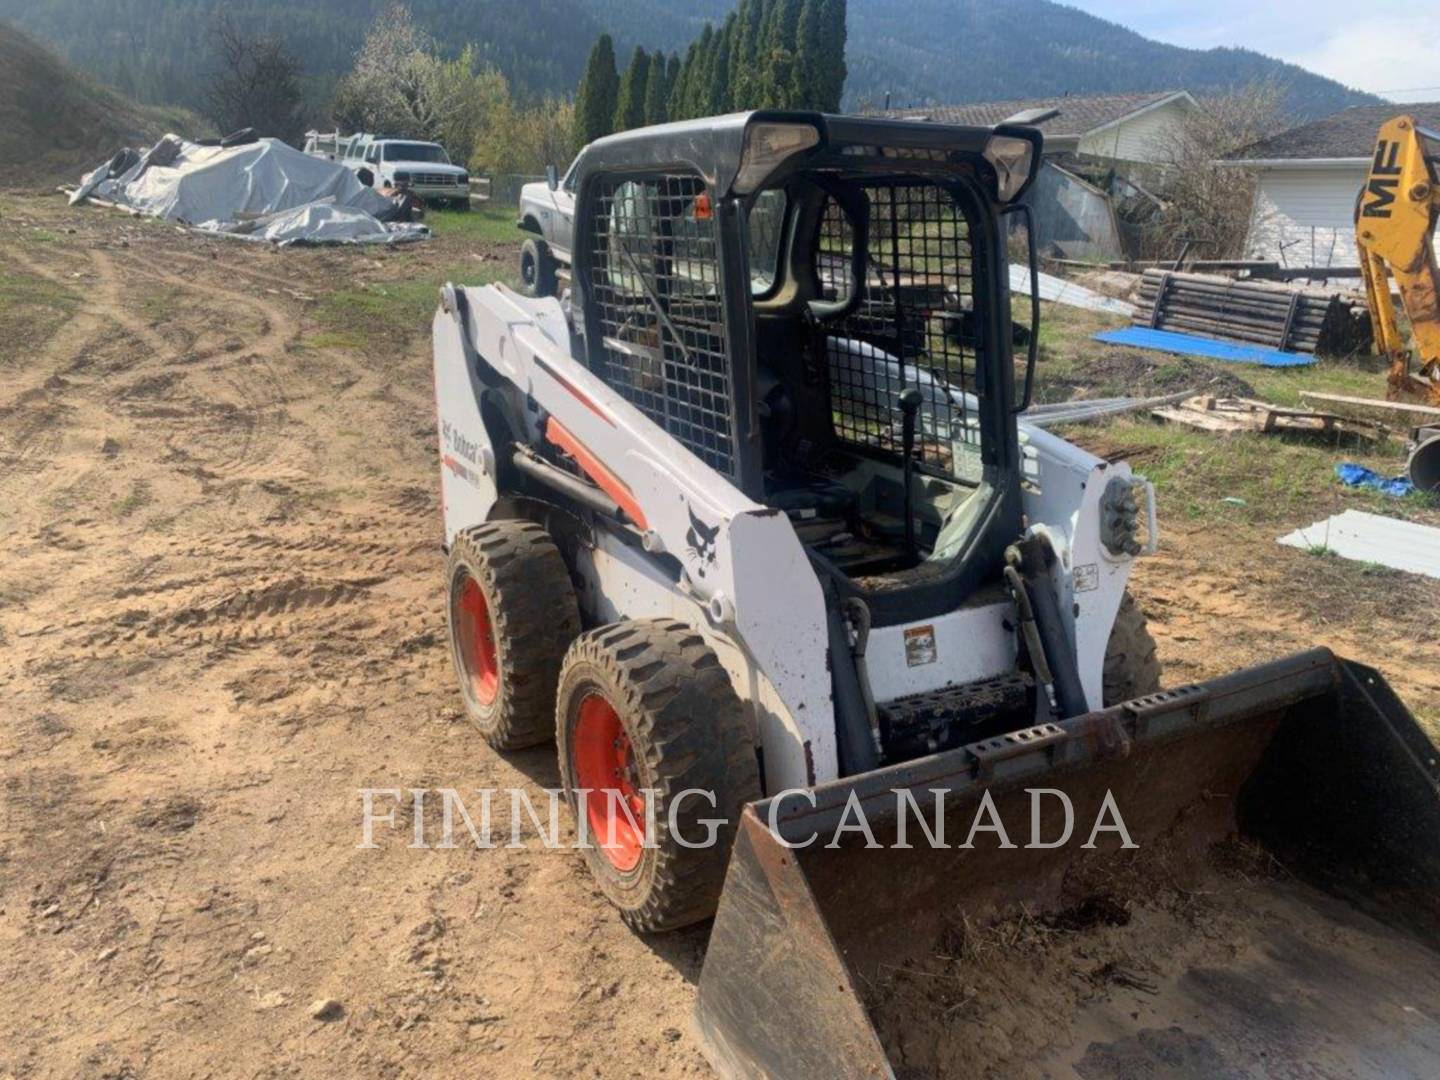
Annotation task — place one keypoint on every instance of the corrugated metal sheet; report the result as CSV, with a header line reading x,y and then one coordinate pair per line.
x,y
1210,348
1066,292
1401,545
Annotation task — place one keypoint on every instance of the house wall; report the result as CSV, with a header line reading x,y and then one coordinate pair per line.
x,y
1305,216
1142,138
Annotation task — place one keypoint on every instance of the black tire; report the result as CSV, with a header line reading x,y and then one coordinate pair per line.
x,y
462,205
687,730
1132,668
537,268
514,572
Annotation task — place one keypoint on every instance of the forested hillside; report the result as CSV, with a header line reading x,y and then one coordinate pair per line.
x,y
920,51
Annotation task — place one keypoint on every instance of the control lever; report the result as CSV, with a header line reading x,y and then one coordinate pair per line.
x,y
910,401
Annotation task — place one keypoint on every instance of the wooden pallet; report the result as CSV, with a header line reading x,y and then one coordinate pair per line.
x,y
1228,415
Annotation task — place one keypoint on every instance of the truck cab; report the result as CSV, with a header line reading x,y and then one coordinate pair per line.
x,y
418,166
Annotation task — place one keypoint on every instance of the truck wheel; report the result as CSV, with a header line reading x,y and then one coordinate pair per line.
x,y
645,710
537,268
512,613
1131,667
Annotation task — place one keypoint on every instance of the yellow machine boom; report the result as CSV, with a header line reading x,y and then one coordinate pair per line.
x,y
1395,232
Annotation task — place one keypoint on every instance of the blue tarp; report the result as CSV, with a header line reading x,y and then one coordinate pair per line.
x,y
1359,476
1187,345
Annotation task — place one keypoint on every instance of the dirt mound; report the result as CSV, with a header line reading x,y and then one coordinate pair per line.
x,y
55,122
1127,373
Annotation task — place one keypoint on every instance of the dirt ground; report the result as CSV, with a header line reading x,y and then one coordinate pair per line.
x,y
221,617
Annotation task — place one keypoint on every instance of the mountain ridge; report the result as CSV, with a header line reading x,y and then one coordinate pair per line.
x,y
920,52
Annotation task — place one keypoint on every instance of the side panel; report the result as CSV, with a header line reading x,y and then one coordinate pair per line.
x,y
467,460
968,645
740,562
1064,500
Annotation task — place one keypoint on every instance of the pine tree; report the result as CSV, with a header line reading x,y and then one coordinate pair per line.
x,y
595,100
672,76
745,57
680,91
832,68
630,103
718,98
807,76
777,55
697,93
656,91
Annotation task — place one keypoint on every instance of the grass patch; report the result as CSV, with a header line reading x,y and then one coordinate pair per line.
x,y
40,236
21,288
332,339
161,307
1278,480
486,223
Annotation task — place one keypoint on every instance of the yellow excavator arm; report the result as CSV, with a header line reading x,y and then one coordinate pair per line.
x,y
1395,231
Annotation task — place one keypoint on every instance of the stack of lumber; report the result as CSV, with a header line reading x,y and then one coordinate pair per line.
x,y
1253,312
1227,415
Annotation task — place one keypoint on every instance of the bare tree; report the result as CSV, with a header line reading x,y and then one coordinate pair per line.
x,y
256,84
1201,199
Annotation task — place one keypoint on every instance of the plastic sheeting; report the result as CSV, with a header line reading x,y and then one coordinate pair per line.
x,y
326,223
230,189
1210,348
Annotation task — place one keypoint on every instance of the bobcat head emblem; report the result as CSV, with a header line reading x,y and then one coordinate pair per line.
x,y
700,541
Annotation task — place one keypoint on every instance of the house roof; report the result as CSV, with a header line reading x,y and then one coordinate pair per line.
x,y
1078,115
1344,136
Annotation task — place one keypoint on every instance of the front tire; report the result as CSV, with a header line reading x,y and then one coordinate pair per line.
x,y
1132,668
645,707
537,268
511,613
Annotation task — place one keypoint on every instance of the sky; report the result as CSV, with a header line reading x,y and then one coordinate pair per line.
x,y
1388,47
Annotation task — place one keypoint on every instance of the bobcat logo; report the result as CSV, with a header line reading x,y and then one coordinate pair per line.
x,y
700,541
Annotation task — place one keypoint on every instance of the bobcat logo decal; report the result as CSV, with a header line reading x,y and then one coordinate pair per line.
x,y
700,542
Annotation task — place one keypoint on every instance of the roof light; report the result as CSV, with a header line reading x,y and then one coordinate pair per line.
x,y
766,146
1011,158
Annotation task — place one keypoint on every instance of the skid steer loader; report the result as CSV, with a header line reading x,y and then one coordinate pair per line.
x,y
750,524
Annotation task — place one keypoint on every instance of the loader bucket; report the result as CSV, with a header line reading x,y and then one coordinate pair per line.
x,y
1278,914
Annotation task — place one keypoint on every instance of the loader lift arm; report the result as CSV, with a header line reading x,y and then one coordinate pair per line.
x,y
1395,235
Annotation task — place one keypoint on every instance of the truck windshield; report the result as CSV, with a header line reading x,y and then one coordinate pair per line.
x,y
416,151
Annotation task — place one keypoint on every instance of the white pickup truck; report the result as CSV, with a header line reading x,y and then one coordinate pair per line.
x,y
547,211
422,167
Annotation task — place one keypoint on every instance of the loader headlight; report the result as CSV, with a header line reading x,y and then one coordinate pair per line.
x,y
766,146
1011,157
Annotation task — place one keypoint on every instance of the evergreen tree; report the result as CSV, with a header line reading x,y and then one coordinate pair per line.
x,y
672,76
807,77
656,91
745,55
680,91
596,98
777,57
630,103
718,96
832,68
697,93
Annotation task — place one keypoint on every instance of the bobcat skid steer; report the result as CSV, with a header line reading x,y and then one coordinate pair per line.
x,y
752,527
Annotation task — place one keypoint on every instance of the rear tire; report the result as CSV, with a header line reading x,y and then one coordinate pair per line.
x,y
646,705
512,613
537,268
1132,668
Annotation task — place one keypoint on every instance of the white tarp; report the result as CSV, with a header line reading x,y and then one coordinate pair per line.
x,y
326,223
225,189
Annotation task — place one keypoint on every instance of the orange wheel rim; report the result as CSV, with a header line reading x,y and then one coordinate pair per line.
x,y
477,642
607,775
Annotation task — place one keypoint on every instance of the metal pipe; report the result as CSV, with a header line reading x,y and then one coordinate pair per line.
x,y
560,481
1424,465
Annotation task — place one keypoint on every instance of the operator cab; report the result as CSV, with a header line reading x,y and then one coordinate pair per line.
x,y
824,318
